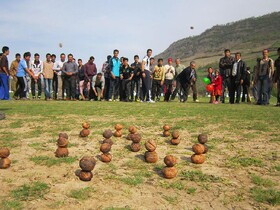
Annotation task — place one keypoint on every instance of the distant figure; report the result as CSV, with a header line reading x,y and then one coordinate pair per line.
x,y
135,83
178,69
115,64
225,66
158,80
4,74
255,82
90,71
70,71
146,77
277,76
98,82
246,86
211,76
81,79
237,75
217,83
13,72
59,78
23,70
264,73
168,79
37,69
48,76
126,75
107,76
185,79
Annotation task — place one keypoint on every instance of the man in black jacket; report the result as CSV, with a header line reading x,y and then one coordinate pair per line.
x,y
225,66
236,78
185,80
277,76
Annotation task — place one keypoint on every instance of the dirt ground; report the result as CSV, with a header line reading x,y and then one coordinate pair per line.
x,y
227,188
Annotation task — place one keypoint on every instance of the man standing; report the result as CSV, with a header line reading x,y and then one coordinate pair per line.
x,y
59,78
277,76
70,70
107,75
81,79
264,73
98,81
4,75
115,65
37,69
225,66
237,77
146,77
126,75
13,71
135,83
48,76
178,69
158,79
185,81
21,77
90,71
169,77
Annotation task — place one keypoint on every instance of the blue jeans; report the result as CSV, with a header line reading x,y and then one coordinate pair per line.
x,y
263,90
135,85
48,88
114,88
4,87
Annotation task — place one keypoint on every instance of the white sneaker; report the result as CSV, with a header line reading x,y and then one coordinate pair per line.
x,y
110,100
151,101
196,101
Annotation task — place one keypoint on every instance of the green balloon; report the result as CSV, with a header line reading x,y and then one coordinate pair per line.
x,y
206,81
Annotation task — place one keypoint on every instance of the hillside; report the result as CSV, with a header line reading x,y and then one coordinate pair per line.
x,y
248,36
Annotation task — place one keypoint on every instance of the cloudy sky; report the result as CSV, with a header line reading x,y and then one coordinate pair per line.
x,y
96,27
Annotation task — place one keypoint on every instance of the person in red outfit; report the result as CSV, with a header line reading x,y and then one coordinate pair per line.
x,y
211,77
217,83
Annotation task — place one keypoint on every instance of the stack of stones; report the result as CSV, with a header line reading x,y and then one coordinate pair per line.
x,y
85,132
105,148
107,134
87,164
169,172
200,149
62,144
175,138
5,162
166,130
135,138
151,156
118,132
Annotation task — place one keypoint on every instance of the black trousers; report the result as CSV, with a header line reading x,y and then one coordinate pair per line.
x,y
177,89
226,84
33,87
135,85
235,87
70,86
246,91
126,88
194,90
169,85
107,88
21,87
146,86
156,89
184,92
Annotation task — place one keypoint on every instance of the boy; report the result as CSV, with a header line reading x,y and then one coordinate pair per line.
x,y
135,83
158,79
126,75
37,69
169,77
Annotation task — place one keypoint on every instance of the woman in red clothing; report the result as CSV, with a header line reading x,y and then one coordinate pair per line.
x,y
217,83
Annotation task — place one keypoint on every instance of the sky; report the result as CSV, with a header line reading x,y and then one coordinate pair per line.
x,y
97,27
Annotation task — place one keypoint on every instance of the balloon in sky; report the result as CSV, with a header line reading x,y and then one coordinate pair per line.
x,y
191,27
206,81
60,45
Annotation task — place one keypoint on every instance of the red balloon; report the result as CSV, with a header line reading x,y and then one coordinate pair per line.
x,y
209,88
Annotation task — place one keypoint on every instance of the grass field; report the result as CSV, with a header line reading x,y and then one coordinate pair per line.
x,y
242,169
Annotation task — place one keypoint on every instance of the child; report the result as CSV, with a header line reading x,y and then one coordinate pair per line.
x,y
211,77
217,83
126,75
158,79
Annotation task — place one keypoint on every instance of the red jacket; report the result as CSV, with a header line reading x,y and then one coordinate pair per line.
x,y
218,82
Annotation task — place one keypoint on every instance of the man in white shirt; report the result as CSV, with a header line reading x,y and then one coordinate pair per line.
x,y
37,69
58,87
169,77
146,77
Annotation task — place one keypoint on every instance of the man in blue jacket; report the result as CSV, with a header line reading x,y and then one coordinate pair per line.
x,y
115,65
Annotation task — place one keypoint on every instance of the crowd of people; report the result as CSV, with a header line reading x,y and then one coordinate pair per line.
x,y
143,81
